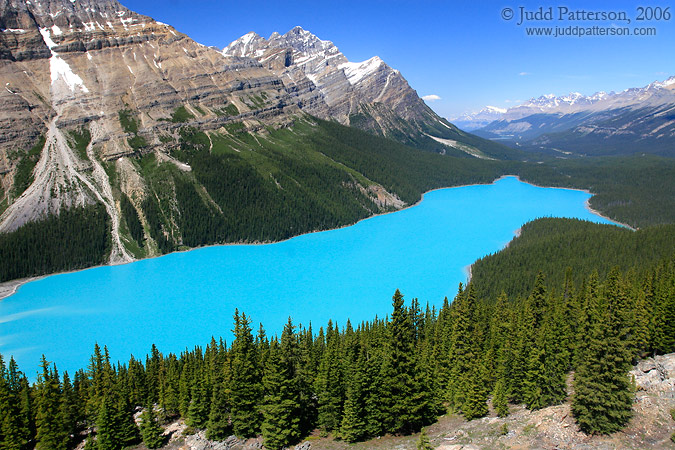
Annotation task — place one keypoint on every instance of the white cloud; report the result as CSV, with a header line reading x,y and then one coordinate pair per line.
x,y
431,98
522,74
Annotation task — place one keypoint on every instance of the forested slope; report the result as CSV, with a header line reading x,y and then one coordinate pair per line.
x,y
569,248
637,190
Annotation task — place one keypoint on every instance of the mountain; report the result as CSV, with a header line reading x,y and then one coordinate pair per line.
x,y
631,121
160,143
479,119
368,95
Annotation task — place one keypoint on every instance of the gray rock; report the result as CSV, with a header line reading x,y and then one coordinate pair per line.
x,y
656,376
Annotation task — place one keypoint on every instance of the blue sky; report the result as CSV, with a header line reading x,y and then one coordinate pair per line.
x,y
463,52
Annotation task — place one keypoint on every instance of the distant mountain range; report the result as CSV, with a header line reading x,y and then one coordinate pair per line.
x,y
474,120
631,121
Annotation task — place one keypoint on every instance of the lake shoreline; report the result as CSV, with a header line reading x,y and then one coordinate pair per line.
x,y
9,288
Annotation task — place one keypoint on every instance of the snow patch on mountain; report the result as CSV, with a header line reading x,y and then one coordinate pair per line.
x,y
357,71
59,68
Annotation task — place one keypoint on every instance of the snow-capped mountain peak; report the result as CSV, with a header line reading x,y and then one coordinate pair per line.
x,y
472,120
243,45
328,85
666,84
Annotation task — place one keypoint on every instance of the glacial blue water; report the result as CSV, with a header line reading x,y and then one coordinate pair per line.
x,y
182,299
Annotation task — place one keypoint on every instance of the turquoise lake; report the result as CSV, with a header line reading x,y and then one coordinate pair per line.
x,y
182,299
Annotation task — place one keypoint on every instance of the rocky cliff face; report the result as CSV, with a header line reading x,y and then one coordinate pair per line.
x,y
72,66
369,94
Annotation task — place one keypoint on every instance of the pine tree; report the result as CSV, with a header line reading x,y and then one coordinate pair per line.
x,y
150,429
353,424
69,411
218,427
410,406
198,411
51,432
377,395
329,385
126,431
475,403
423,441
466,391
13,431
106,426
281,410
545,378
602,391
501,342
184,391
500,399
246,384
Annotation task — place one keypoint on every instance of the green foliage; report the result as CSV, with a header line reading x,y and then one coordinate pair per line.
x,y
128,121
150,429
155,222
106,433
281,407
218,427
329,384
130,216
466,389
198,411
81,139
137,142
409,402
423,441
603,397
258,101
551,245
16,427
51,431
636,190
130,124
73,239
23,177
246,384
201,222
181,115
229,110
500,398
